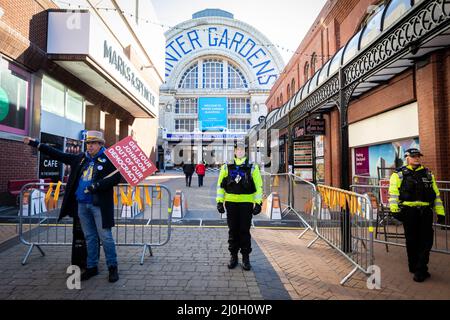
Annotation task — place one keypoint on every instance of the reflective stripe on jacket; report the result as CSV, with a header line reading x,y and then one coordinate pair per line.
x,y
394,194
253,198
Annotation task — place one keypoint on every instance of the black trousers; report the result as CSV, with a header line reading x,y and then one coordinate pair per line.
x,y
200,180
188,179
418,225
239,219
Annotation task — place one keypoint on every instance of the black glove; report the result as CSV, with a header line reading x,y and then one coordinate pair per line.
x,y
220,207
34,143
93,187
256,209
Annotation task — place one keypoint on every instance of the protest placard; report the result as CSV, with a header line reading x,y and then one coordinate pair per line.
x,y
130,160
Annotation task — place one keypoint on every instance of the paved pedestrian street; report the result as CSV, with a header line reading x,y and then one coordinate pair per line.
x,y
193,266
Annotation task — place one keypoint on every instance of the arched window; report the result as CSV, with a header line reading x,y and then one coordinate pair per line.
x,y
288,90
236,79
189,80
313,63
278,102
212,74
306,71
281,99
293,85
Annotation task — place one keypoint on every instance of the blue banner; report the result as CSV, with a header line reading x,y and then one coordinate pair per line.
x,y
212,113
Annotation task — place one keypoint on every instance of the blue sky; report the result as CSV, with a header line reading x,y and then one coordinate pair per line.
x,y
284,22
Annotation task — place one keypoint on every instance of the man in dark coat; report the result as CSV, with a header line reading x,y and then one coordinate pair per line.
x,y
89,196
188,169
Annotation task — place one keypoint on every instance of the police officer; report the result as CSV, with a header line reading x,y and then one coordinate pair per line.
x,y
412,195
240,187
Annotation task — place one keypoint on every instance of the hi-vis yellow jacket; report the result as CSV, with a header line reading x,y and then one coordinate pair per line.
x,y
253,198
394,194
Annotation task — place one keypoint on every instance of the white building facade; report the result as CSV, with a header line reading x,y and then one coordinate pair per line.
x,y
218,71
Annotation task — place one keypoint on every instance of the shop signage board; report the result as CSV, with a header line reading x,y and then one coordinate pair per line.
x,y
303,153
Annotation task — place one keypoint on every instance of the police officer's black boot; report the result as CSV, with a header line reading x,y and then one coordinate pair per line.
x,y
233,261
246,262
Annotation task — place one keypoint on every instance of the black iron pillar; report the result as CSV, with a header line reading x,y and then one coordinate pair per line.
x,y
344,99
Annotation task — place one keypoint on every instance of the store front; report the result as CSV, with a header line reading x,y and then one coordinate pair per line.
x,y
62,123
308,149
378,143
14,99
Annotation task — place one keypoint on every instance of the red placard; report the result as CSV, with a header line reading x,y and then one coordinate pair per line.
x,y
384,192
130,160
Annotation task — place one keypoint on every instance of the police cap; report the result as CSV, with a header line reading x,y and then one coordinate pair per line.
x,y
413,152
239,144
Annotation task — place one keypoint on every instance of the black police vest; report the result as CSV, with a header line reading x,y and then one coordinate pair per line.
x,y
416,186
246,185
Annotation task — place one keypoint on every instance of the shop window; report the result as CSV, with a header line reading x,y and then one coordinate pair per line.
x,y
74,107
59,100
14,104
52,97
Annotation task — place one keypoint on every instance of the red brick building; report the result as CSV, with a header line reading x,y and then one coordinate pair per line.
x,y
51,92
400,102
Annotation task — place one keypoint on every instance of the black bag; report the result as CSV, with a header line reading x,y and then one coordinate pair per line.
x,y
79,249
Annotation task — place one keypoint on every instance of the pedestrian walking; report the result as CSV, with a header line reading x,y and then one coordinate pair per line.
x,y
200,169
188,169
89,196
413,194
240,187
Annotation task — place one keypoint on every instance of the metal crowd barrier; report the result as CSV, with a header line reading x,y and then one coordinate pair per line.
x,y
344,220
143,216
393,229
297,196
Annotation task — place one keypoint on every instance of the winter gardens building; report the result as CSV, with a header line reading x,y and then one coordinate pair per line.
x,y
218,75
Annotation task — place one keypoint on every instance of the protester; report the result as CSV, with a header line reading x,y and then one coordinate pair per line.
x,y
89,196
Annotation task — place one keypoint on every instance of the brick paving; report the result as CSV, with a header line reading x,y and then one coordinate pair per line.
x,y
192,266
316,273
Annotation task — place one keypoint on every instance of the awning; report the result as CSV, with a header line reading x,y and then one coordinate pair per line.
x,y
79,42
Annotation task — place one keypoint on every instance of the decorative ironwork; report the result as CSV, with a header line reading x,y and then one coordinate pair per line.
x,y
418,25
320,96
